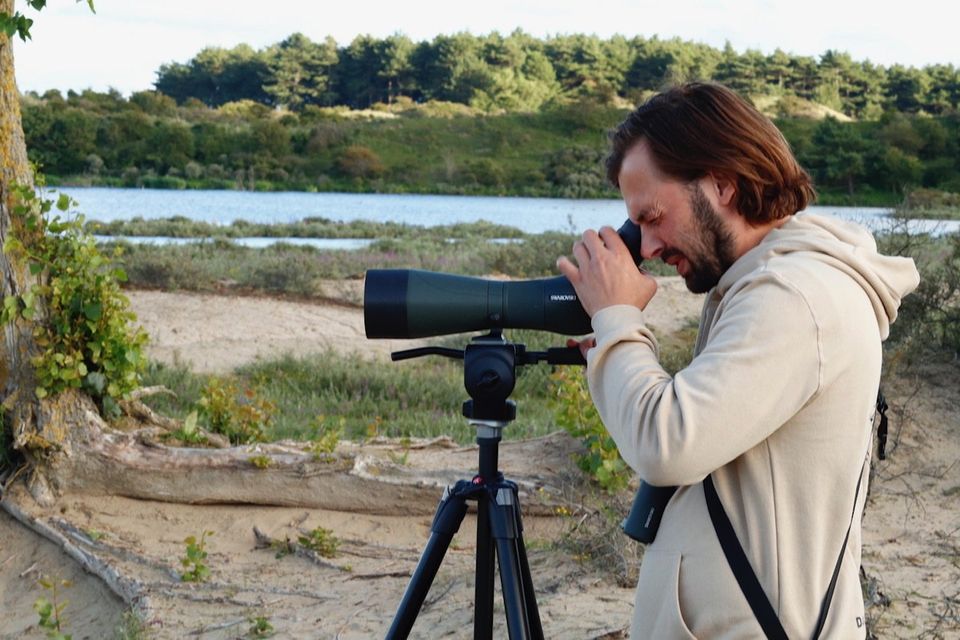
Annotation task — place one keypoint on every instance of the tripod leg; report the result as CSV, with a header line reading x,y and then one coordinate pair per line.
x,y
523,620
483,587
533,612
446,522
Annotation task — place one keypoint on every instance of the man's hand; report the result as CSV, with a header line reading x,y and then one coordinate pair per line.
x,y
606,274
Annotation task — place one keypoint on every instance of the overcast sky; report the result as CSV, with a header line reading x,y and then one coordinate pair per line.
x,y
124,44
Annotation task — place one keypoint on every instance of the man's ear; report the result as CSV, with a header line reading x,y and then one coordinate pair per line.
x,y
725,188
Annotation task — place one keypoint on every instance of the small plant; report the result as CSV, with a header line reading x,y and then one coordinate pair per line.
x,y
327,436
131,627
260,461
196,569
321,541
189,433
373,428
51,610
575,412
241,416
399,458
93,534
260,627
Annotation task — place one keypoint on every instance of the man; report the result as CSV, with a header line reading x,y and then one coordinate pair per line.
x,y
777,404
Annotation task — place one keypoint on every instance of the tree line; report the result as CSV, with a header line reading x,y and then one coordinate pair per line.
x,y
521,72
436,147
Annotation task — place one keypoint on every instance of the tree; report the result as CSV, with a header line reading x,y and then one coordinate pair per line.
x,y
28,419
53,407
216,76
839,156
906,88
302,72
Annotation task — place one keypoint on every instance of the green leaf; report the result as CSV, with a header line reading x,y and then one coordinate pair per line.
x,y
93,311
96,382
190,423
8,25
64,202
23,28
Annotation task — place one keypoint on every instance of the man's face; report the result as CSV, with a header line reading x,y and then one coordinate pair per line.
x,y
678,222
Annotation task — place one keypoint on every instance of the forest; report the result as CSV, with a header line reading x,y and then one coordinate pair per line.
x,y
489,114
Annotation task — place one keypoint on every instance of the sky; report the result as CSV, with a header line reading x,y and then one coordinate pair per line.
x,y
124,44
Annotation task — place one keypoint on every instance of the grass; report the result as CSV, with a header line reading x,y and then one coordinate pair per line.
x,y
415,398
284,269
315,227
365,398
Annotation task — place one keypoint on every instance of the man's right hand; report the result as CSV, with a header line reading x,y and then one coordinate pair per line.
x,y
605,273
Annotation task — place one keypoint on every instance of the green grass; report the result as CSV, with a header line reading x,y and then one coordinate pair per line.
x,y
414,398
297,271
182,227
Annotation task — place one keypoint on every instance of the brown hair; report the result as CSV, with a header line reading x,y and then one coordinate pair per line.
x,y
700,129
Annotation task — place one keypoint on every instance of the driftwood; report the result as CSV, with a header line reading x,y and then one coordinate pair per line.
x,y
380,477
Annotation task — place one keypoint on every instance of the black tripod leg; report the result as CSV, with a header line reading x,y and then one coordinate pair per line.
x,y
446,522
486,568
533,612
515,581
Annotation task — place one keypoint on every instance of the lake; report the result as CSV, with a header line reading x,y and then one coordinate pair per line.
x,y
532,215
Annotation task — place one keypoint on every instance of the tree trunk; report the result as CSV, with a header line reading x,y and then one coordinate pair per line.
x,y
34,425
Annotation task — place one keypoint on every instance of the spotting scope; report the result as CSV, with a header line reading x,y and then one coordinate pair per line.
x,y
409,303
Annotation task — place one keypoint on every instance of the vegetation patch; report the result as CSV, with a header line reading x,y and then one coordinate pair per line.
x,y
83,325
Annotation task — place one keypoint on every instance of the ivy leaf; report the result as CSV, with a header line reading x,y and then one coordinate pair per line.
x,y
63,202
93,311
96,382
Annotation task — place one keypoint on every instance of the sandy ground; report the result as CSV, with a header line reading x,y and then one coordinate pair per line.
x,y
911,529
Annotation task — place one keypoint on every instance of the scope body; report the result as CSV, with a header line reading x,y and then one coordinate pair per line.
x,y
410,303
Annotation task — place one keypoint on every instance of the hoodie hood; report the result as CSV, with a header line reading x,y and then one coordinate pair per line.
x,y
844,245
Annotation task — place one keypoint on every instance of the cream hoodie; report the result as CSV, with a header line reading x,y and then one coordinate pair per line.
x,y
778,404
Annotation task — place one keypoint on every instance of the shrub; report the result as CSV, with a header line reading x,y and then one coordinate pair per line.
x,y
575,412
293,272
357,161
83,331
929,318
243,416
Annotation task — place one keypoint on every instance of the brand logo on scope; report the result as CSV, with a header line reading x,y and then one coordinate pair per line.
x,y
562,297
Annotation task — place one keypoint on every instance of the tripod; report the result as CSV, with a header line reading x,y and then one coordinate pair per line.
x,y
489,376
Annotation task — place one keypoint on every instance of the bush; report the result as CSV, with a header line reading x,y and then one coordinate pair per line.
x,y
357,161
242,416
288,271
576,413
83,321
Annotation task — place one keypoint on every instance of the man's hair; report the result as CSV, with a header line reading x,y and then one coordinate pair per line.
x,y
700,129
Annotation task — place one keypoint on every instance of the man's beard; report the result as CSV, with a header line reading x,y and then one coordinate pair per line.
x,y
711,251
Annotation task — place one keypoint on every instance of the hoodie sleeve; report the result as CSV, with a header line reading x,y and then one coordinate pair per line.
x,y
761,363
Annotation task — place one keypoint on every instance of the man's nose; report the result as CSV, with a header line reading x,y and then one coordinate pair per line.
x,y
650,245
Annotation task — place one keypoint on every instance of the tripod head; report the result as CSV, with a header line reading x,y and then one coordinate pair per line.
x,y
490,372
